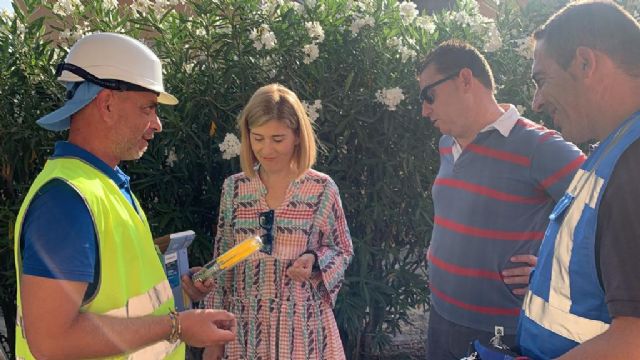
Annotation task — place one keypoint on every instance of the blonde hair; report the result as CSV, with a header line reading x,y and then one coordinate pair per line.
x,y
276,102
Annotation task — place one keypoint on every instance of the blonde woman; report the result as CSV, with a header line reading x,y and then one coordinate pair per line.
x,y
282,297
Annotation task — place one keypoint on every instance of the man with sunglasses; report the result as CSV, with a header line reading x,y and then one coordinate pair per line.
x,y
500,175
89,281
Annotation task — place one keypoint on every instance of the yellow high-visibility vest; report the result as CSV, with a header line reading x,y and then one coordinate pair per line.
x,y
132,281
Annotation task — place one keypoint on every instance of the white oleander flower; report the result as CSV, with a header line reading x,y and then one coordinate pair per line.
x,y
315,31
110,4
230,147
426,23
479,23
359,22
494,40
5,15
390,97
394,42
408,12
406,53
312,109
463,19
311,52
20,28
172,157
67,7
70,36
263,37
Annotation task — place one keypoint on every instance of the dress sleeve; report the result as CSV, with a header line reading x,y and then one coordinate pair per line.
x,y
335,249
224,240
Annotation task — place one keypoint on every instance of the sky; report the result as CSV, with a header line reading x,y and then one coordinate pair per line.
x,y
6,4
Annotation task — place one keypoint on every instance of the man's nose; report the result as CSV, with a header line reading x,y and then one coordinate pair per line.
x,y
426,109
537,102
157,124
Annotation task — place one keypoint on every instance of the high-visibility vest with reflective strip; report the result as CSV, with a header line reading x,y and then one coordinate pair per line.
x,y
565,305
132,282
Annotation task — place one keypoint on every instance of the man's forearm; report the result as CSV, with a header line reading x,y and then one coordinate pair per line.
x,y
620,341
92,335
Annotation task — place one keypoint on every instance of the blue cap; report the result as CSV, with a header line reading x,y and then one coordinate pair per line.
x,y
61,119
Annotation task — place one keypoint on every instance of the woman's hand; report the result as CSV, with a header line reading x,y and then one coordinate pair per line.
x,y
196,290
301,269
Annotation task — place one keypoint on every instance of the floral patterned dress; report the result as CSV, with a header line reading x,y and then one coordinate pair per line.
x,y
279,318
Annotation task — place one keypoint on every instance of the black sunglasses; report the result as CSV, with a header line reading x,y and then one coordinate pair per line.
x,y
425,93
266,223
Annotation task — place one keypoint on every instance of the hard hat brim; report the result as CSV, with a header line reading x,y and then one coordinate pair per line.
x,y
167,99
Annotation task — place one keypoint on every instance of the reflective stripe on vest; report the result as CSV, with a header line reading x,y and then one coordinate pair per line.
x,y
555,314
563,323
144,304
588,193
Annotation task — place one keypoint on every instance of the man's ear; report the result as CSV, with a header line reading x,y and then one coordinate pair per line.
x,y
104,103
584,62
466,75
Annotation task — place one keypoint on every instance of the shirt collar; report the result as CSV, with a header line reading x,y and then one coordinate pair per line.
x,y
506,122
67,149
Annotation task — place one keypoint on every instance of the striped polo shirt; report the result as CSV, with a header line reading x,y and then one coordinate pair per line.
x,y
491,202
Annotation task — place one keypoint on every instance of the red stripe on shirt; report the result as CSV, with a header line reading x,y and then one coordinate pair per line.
x,y
500,155
488,192
570,167
546,133
476,308
446,150
490,234
462,271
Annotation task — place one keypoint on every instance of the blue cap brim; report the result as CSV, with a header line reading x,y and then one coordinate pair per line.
x,y
60,119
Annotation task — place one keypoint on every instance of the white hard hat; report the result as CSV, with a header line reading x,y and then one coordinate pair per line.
x,y
115,61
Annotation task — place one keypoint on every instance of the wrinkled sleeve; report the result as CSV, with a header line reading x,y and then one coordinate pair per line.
x,y
335,249
224,241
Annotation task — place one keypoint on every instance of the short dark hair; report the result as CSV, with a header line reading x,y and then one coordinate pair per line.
x,y
455,55
599,25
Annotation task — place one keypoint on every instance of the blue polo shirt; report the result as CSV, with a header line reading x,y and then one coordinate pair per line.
x,y
58,237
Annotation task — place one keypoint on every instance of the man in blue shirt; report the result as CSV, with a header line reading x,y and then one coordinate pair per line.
x,y
89,281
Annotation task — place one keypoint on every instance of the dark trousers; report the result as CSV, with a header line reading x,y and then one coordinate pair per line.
x,y
449,341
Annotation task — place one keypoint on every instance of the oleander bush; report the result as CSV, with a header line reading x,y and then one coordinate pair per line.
x,y
352,62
